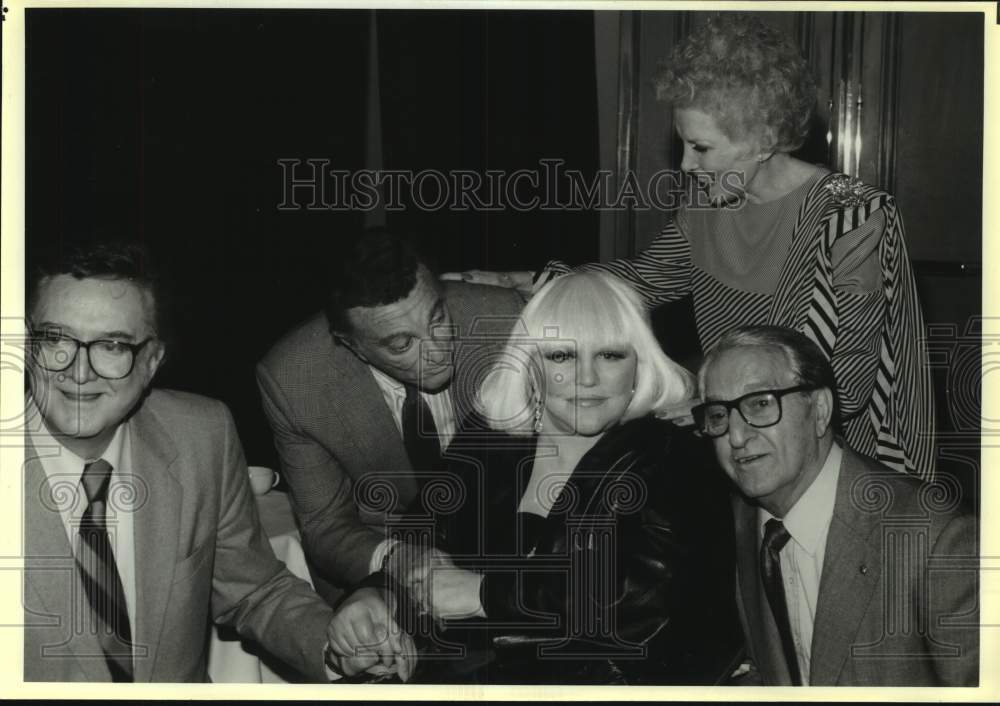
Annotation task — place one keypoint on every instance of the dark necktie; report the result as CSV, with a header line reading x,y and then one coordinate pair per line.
x,y
420,435
776,537
101,582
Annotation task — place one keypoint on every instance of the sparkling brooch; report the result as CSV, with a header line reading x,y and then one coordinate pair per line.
x,y
848,191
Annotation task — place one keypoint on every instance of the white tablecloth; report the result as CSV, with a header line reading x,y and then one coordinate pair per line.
x,y
231,660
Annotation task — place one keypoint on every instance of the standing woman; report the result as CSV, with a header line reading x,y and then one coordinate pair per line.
x,y
784,242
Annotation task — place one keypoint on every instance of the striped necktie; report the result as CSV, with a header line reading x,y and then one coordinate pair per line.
x,y
101,582
775,538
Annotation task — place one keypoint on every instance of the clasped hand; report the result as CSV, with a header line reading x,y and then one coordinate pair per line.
x,y
436,584
364,636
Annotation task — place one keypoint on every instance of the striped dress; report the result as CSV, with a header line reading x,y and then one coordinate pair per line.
x,y
829,259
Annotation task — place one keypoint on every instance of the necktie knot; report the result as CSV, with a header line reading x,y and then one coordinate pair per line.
x,y
775,535
96,478
418,421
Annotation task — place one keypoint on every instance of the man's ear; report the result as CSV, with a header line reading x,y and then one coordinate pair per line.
x,y
823,404
155,359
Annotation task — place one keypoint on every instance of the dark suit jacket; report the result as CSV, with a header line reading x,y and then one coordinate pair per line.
x,y
200,554
340,451
898,598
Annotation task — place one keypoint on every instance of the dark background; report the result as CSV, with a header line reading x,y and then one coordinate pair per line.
x,y
166,126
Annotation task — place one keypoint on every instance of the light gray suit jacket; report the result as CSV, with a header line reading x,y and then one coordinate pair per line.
x,y
898,598
340,450
200,554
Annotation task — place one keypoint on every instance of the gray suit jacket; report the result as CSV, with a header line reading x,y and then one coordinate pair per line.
x,y
898,598
200,554
340,450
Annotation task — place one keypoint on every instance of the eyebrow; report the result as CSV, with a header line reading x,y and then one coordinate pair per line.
x,y
769,388
117,335
69,331
435,310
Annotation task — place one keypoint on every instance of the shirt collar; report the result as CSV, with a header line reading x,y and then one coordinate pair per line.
x,y
386,381
807,520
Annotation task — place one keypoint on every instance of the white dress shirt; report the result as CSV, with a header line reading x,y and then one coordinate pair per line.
x,y
394,393
439,403
808,523
64,469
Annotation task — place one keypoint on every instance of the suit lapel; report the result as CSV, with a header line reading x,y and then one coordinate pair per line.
x,y
369,423
51,573
851,570
159,496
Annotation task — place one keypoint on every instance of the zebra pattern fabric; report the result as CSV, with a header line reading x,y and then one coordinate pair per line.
x,y
874,340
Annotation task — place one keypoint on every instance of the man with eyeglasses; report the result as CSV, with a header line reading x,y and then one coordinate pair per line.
x,y
140,527
848,573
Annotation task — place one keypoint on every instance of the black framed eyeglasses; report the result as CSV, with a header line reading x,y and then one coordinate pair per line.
x,y
109,358
759,409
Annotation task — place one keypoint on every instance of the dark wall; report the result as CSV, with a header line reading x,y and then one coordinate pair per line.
x,y
166,126
491,91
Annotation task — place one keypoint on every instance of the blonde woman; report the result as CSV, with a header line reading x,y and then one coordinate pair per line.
x,y
566,531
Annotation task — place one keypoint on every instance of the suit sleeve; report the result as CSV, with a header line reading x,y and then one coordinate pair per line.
x,y
251,590
336,541
954,600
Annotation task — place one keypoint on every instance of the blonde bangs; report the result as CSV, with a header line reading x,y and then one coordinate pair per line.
x,y
584,310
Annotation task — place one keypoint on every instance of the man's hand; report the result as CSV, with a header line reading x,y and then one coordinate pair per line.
x,y
455,593
519,280
363,636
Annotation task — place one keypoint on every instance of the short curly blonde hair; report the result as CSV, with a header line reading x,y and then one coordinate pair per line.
x,y
748,76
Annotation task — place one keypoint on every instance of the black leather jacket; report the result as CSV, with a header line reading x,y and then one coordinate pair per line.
x,y
600,568
620,583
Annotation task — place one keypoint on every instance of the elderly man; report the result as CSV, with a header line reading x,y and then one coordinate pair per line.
x,y
365,397
848,573
140,527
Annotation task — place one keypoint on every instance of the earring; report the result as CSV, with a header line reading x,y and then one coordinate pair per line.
x,y
538,415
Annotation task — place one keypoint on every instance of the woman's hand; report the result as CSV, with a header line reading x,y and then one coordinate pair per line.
x,y
413,568
363,636
519,280
678,414
455,593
